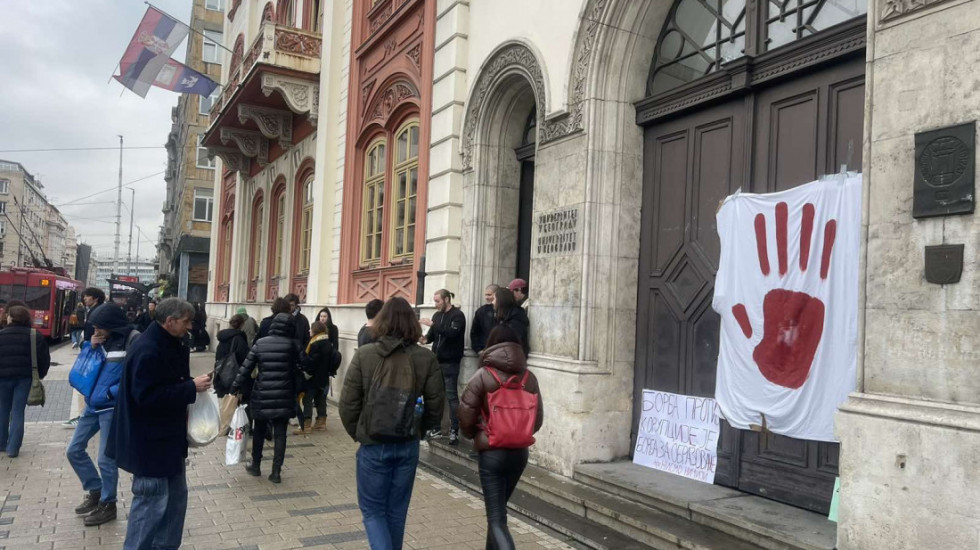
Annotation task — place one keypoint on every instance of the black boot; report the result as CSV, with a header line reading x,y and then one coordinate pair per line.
x,y
253,468
105,512
274,476
90,503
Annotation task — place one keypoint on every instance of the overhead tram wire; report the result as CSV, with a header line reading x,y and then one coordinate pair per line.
x,y
64,149
113,188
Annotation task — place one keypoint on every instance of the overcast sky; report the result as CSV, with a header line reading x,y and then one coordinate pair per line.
x,y
56,58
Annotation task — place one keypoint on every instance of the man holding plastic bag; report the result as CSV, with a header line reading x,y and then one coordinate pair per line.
x,y
149,432
96,375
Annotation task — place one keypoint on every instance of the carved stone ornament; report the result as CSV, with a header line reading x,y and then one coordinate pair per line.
x,y
231,157
273,123
301,95
893,9
414,55
508,58
379,19
252,144
297,43
387,101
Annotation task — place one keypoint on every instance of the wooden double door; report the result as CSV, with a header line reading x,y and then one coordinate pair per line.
x,y
767,140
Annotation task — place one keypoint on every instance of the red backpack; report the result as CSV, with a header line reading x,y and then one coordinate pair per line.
x,y
511,413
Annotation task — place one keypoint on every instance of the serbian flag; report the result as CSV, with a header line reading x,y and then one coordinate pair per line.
x,y
178,77
156,38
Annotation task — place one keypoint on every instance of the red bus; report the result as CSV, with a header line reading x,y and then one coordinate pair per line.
x,y
50,297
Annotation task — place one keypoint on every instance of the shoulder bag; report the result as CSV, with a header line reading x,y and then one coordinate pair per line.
x,y
36,396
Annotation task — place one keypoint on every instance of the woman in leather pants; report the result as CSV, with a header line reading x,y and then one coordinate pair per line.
x,y
500,469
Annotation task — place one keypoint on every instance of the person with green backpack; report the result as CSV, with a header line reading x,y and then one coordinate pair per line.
x,y
393,393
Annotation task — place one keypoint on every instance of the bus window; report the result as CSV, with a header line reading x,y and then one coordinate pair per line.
x,y
11,292
38,297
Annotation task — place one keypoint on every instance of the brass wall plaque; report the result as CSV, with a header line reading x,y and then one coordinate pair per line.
x,y
944,171
944,263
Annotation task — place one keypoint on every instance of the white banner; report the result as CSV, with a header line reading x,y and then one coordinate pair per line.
x,y
787,292
678,434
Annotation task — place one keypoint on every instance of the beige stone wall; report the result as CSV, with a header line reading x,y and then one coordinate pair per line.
x,y
910,441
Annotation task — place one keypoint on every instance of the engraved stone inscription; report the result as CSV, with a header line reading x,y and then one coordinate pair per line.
x,y
944,171
944,263
558,232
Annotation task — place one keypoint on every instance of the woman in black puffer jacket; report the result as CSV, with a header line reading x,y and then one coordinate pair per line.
x,y
15,375
273,397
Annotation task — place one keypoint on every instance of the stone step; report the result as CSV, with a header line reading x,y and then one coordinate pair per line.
x,y
647,525
766,523
584,532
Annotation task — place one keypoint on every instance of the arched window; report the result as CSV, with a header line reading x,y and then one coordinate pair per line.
x,y
284,13
306,226
701,35
278,230
374,199
255,258
406,183
237,52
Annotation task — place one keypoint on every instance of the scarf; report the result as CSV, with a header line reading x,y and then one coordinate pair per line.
x,y
315,339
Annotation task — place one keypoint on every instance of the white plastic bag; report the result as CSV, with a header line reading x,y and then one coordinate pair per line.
x,y
203,419
235,447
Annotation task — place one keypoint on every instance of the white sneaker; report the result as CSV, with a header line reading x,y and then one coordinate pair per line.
x,y
70,423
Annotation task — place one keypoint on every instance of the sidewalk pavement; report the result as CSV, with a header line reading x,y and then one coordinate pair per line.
x,y
314,507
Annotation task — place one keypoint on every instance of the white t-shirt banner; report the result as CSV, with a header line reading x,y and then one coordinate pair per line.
x,y
787,290
678,434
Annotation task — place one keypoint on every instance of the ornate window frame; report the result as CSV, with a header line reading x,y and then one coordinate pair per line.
x,y
370,240
255,239
403,205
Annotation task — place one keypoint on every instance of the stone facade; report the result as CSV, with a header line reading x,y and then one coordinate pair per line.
x,y
911,435
31,226
186,229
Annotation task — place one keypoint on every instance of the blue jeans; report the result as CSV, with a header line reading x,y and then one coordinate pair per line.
x,y
89,425
156,516
13,401
76,337
385,477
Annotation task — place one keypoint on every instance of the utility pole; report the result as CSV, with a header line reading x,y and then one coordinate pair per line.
x,y
129,254
115,260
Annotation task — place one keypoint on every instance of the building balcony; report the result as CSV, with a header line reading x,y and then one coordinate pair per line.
x,y
270,101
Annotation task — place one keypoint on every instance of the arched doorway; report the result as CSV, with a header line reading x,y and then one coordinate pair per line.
x,y
499,144
752,94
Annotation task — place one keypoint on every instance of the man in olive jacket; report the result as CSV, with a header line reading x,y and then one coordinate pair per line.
x,y
386,470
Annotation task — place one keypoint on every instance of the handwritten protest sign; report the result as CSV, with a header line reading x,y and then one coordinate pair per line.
x,y
678,434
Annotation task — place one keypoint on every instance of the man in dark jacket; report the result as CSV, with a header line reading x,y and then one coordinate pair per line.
x,y
279,305
110,339
149,432
302,323
365,336
274,390
483,320
92,298
146,317
446,334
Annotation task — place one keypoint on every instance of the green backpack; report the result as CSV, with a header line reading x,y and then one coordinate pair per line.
x,y
391,400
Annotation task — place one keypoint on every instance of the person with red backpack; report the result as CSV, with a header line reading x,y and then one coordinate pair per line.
x,y
501,410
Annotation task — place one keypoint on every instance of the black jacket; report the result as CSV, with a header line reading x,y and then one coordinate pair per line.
x,y
231,340
15,351
322,362
483,322
447,335
149,430
266,324
89,330
517,320
277,358
365,336
143,321
302,329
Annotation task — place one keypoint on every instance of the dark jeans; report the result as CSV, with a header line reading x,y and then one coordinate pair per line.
x,y
450,375
13,402
315,397
279,426
500,470
156,516
385,478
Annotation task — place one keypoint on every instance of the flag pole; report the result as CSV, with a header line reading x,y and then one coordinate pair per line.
x,y
192,29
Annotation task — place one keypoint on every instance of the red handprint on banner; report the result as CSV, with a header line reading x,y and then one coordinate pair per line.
x,y
793,321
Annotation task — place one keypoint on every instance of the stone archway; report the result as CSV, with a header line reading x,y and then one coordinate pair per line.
x,y
509,88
